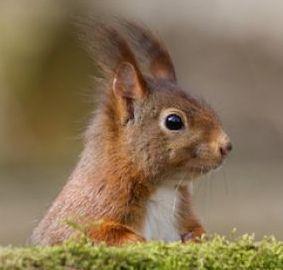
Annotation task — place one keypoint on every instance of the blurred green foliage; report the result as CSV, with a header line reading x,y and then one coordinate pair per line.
x,y
44,81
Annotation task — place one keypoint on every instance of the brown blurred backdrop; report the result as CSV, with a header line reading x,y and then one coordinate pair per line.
x,y
229,52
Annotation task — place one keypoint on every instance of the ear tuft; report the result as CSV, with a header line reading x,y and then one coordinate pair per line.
x,y
151,51
126,82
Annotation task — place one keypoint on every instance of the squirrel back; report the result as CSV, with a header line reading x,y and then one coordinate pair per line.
x,y
147,140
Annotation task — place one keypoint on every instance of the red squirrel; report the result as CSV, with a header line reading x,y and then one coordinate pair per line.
x,y
146,142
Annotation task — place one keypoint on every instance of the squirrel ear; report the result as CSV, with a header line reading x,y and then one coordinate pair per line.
x,y
127,83
151,51
128,86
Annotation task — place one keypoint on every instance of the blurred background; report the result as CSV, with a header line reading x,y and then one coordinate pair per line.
x,y
229,52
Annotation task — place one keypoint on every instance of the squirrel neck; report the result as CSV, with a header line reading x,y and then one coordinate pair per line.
x,y
106,180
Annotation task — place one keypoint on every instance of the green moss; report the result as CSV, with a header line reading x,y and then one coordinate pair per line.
x,y
216,253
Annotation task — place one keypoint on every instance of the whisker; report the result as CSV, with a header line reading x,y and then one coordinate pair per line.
x,y
226,186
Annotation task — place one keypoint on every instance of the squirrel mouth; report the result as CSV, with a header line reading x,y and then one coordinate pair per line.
x,y
203,169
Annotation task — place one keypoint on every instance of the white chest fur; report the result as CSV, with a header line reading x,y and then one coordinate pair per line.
x,y
161,221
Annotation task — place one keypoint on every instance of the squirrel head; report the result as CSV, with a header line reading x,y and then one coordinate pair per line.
x,y
145,116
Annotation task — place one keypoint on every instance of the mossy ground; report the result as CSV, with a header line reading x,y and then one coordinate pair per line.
x,y
216,253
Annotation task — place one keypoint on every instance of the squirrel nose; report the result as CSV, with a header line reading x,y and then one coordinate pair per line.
x,y
225,149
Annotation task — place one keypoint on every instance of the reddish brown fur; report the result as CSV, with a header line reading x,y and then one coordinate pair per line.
x,y
126,152
114,233
188,223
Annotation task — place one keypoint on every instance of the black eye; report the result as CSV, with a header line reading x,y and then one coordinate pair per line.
x,y
174,122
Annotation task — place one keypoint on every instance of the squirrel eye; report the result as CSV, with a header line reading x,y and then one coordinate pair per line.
x,y
174,122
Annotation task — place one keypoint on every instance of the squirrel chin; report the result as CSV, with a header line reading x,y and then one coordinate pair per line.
x,y
204,168
180,178
186,174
